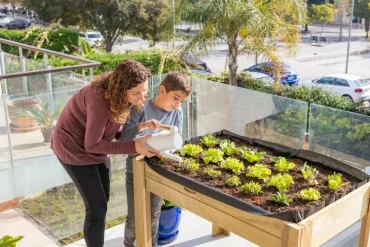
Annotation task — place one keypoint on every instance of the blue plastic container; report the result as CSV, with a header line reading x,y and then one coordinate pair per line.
x,y
169,223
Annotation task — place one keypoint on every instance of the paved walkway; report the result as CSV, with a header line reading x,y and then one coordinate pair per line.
x,y
14,224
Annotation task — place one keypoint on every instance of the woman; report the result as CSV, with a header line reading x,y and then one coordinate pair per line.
x,y
84,132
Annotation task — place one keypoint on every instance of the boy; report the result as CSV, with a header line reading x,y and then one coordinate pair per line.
x,y
163,109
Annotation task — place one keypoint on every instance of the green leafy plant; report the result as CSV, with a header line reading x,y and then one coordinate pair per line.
x,y
259,171
252,187
8,241
310,194
309,173
228,147
190,149
335,181
212,172
282,165
281,198
233,181
209,140
281,182
252,156
191,165
232,164
167,204
212,155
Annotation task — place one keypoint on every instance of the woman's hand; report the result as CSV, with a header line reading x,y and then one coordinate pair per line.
x,y
142,148
151,124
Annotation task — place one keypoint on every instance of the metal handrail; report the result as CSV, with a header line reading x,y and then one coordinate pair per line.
x,y
87,63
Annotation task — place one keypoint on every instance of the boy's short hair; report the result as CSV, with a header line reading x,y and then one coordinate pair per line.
x,y
175,81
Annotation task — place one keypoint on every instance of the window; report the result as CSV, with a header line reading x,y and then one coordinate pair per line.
x,y
341,82
93,35
325,81
362,82
256,68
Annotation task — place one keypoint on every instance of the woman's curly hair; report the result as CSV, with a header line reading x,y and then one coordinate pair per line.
x,y
113,86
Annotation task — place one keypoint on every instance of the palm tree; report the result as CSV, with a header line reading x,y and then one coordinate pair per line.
x,y
252,26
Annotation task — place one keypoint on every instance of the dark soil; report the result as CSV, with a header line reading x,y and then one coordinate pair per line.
x,y
263,200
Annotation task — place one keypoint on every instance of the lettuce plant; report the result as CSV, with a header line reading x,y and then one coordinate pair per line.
x,y
309,173
209,140
232,164
252,156
228,147
335,181
190,149
233,181
190,165
281,198
310,194
282,165
212,155
252,187
212,172
281,182
259,171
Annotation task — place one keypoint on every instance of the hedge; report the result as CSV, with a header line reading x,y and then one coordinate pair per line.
x,y
61,40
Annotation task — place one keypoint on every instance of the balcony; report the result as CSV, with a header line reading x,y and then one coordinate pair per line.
x,y
49,207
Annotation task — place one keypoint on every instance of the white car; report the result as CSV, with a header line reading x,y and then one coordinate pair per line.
x,y
4,19
261,77
352,87
93,38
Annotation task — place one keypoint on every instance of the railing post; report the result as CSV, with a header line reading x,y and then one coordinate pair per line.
x,y
3,71
5,101
91,71
306,144
22,61
49,84
24,78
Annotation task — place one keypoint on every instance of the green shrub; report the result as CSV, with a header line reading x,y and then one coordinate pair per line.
x,y
61,40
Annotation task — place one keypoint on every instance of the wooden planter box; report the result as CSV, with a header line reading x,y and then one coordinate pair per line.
x,y
261,230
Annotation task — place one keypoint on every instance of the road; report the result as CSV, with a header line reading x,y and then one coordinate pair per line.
x,y
310,62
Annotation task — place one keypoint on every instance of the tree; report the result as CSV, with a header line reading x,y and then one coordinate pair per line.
x,y
159,24
244,25
362,10
111,18
323,13
13,3
315,2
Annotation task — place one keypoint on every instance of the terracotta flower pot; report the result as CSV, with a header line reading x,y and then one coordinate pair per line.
x,y
20,122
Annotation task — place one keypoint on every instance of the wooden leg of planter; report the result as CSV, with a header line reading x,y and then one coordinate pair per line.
x,y
142,205
365,229
216,230
295,235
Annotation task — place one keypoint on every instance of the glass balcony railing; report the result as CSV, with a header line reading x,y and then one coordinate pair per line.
x,y
29,169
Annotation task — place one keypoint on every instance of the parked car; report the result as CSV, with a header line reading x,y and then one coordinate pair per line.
x,y
287,75
4,19
196,64
18,24
352,87
39,22
261,77
93,38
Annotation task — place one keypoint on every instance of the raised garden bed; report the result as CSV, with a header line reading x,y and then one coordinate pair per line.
x,y
265,224
260,195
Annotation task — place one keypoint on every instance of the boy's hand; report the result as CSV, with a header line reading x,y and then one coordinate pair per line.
x,y
151,124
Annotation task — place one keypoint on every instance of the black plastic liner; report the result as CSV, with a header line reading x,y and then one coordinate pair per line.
x,y
277,149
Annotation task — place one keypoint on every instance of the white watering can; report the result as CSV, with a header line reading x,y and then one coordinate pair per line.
x,y
166,140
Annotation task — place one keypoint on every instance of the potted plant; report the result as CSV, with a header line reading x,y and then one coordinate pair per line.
x,y
18,114
8,241
45,118
169,223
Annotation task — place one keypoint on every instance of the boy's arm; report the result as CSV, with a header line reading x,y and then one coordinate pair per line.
x,y
131,128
